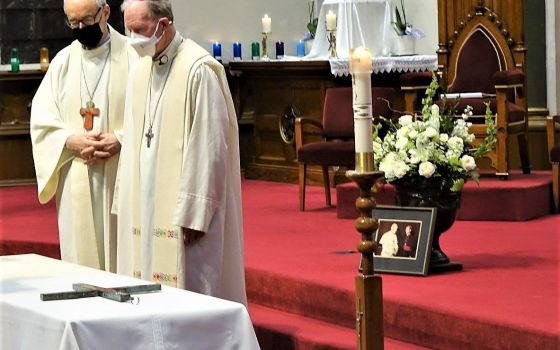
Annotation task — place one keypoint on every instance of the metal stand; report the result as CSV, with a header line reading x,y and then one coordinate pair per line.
x,y
332,43
265,46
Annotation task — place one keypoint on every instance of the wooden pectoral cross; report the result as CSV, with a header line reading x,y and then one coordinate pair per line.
x,y
82,290
88,113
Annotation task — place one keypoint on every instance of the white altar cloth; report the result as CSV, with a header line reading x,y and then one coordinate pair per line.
x,y
170,319
416,63
359,23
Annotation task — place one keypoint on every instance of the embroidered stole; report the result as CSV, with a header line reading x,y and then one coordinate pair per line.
x,y
166,237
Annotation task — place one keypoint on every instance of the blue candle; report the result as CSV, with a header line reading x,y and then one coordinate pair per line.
x,y
300,49
279,50
217,51
236,51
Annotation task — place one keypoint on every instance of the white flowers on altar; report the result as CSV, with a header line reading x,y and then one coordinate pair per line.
x,y
435,145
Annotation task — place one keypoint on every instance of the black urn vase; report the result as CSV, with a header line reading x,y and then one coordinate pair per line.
x,y
430,194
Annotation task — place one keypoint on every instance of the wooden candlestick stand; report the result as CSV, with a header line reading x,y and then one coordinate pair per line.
x,y
369,294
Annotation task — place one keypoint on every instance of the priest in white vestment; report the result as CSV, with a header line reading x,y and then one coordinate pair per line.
x,y
179,186
76,124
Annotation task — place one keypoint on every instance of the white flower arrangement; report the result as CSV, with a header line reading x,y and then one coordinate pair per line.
x,y
435,145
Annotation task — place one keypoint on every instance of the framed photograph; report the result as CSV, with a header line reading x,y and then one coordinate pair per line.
x,y
405,239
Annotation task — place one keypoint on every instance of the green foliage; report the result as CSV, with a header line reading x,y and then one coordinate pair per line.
x,y
313,21
400,23
490,139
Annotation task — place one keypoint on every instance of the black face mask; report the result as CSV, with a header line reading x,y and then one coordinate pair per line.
x,y
88,36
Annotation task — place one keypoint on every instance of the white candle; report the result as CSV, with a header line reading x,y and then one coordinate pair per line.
x,y
360,60
331,20
361,69
266,24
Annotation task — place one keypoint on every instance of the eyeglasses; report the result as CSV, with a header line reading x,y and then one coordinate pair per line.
x,y
87,21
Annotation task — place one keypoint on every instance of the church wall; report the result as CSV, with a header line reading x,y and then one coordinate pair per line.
x,y
231,21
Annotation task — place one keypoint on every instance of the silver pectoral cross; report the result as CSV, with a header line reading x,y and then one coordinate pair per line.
x,y
149,135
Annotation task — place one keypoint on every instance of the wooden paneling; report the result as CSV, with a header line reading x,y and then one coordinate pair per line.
x,y
16,158
262,91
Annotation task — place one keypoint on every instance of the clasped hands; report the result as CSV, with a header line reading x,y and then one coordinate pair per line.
x,y
94,146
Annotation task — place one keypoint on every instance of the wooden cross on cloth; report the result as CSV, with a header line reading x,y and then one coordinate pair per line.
x,y
82,290
88,113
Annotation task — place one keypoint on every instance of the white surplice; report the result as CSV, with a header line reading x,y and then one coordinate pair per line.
x,y
84,195
188,177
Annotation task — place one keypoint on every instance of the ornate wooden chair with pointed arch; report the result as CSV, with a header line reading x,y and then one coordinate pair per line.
x,y
481,50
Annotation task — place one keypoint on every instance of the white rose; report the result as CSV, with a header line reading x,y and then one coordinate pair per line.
x,y
455,143
426,169
414,159
400,169
468,163
405,120
443,138
412,134
430,132
401,143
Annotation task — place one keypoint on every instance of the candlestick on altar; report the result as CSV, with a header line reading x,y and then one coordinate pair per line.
x,y
44,59
265,46
330,23
331,37
266,30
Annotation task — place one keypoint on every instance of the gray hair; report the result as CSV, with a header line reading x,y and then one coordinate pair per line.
x,y
99,3
156,8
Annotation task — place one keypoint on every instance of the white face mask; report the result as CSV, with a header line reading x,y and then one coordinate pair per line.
x,y
145,46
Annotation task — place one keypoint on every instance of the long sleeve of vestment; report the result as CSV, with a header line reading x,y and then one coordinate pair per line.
x,y
49,131
205,157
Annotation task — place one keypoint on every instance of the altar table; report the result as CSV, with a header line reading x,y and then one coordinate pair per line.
x,y
170,319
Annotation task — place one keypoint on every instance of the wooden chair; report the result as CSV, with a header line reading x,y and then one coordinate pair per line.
x,y
552,125
337,129
481,49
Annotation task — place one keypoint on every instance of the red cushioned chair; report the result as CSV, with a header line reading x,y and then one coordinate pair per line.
x,y
478,55
337,128
552,125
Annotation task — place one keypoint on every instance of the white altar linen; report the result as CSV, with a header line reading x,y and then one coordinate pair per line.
x,y
359,23
400,64
170,319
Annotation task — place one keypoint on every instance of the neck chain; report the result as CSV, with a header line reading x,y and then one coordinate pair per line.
x,y
90,111
91,94
152,116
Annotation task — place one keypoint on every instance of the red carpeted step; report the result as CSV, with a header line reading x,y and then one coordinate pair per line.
x,y
521,198
277,330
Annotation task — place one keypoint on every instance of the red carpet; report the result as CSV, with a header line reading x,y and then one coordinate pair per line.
x,y
506,297
25,225
521,198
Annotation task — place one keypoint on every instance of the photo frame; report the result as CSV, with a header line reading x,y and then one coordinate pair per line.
x,y
408,235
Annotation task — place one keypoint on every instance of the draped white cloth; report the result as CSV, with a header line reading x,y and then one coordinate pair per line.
x,y
170,319
359,23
